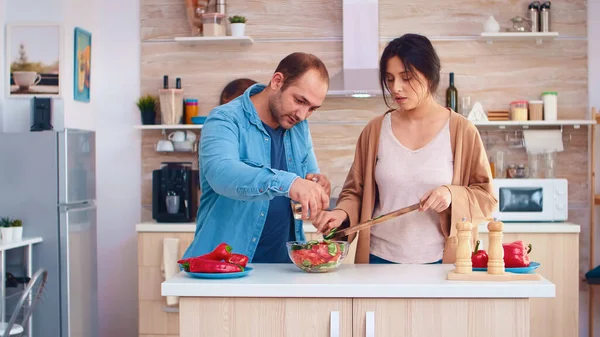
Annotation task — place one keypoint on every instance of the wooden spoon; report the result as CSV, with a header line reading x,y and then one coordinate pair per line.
x,y
372,222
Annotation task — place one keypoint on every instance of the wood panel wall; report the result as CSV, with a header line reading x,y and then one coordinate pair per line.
x,y
493,74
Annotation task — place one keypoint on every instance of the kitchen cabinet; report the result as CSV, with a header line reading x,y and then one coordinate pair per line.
x,y
440,317
266,317
555,247
358,299
558,255
155,318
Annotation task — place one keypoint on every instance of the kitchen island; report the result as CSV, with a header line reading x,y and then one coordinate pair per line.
x,y
354,300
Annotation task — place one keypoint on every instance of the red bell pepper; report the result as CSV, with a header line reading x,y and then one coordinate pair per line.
x,y
220,253
479,258
239,259
200,265
516,254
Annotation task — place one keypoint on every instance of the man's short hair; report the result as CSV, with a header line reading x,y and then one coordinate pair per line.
x,y
295,65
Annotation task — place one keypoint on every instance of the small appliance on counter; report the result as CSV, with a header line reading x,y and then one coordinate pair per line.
x,y
174,192
41,114
532,200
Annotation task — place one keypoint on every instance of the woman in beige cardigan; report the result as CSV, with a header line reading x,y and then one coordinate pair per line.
x,y
419,151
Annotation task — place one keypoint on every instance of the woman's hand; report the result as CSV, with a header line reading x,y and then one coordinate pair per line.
x,y
328,220
438,199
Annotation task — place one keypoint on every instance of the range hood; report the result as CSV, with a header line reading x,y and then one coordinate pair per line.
x,y
360,73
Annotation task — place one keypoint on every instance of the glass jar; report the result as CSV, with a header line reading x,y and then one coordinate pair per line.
x,y
550,99
518,110
511,172
191,110
536,110
213,24
520,171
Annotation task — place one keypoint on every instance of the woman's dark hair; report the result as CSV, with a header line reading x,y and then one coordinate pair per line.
x,y
235,88
416,52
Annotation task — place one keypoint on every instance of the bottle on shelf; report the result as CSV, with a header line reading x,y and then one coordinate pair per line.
x,y
534,16
452,95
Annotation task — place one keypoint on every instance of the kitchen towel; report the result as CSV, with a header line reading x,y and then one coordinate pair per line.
x,y
543,141
169,264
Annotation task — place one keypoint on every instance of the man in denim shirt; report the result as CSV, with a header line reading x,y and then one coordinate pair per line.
x,y
256,155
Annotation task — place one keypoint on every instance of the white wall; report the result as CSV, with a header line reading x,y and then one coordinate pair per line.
x,y
2,22
117,86
66,111
16,112
77,13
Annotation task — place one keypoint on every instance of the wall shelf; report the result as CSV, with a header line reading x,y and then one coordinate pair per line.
x,y
538,37
241,40
500,124
576,123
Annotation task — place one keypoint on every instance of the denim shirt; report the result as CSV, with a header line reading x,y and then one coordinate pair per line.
x,y
236,179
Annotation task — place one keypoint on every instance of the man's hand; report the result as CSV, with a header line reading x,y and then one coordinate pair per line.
x,y
322,180
312,197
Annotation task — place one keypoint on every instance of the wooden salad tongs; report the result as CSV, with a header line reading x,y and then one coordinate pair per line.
x,y
370,223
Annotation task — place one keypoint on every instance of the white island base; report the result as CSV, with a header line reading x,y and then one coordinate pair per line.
x,y
355,300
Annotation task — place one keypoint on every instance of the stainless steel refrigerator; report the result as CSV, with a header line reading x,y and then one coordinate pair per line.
x,y
48,180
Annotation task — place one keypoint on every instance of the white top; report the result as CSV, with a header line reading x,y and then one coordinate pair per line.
x,y
353,281
509,227
403,176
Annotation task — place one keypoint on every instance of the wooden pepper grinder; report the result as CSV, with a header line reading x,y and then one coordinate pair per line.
x,y
463,251
495,251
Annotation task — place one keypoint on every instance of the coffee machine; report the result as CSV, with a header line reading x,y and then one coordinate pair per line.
x,y
175,192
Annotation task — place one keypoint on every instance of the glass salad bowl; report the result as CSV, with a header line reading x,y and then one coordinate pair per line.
x,y
317,256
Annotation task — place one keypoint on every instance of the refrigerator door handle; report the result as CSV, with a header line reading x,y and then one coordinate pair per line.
x,y
84,206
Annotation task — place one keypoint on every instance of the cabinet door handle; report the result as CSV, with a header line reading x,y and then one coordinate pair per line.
x,y
370,326
334,324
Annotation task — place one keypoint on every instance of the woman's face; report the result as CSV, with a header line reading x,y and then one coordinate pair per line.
x,y
408,89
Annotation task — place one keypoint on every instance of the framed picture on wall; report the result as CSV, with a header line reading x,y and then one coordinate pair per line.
x,y
33,54
83,65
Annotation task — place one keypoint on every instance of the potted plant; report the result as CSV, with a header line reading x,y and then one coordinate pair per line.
x,y
6,230
147,106
238,25
17,227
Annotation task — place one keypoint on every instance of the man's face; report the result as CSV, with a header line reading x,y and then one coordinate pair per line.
x,y
299,100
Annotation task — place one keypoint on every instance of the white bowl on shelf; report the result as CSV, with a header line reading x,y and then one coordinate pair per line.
x,y
185,146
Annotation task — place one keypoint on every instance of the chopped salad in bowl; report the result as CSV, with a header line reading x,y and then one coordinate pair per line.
x,y
317,256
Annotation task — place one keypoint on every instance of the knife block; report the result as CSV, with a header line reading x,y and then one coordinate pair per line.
x,y
171,106
495,267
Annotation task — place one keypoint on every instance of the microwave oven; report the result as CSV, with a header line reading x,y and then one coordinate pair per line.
x,y
531,200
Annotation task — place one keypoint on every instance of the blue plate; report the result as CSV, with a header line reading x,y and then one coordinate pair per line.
x,y
198,119
521,270
246,271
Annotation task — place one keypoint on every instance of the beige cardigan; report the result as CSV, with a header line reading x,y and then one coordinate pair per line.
x,y
471,188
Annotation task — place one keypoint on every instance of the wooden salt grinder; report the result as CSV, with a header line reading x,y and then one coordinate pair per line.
x,y
495,251
463,251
